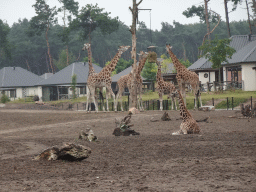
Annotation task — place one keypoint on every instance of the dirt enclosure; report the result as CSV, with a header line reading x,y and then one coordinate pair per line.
x,y
221,158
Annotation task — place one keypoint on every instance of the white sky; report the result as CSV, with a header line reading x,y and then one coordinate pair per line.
x,y
162,10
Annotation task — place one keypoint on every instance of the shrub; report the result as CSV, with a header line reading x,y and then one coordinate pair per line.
x,y
4,99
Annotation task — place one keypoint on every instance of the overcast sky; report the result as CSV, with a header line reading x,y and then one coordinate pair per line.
x,y
162,10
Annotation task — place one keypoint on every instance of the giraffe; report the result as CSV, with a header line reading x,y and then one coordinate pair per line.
x,y
125,81
188,125
103,79
164,87
87,46
185,76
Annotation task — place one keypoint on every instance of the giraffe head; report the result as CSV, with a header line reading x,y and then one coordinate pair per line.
x,y
123,49
168,47
86,46
143,54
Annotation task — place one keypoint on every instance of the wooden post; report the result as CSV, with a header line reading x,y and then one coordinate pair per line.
x,y
207,18
133,91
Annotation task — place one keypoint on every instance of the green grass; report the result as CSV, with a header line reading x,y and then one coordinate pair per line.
x,y
239,96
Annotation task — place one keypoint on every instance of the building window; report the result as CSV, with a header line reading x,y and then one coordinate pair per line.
x,y
13,93
82,90
63,90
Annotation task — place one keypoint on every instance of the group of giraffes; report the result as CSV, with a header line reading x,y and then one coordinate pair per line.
x,y
103,79
184,76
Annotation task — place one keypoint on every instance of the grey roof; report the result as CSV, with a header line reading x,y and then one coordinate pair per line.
x,y
46,75
64,76
17,77
238,42
244,55
170,68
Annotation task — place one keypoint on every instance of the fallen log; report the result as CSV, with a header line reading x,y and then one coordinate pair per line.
x,y
68,152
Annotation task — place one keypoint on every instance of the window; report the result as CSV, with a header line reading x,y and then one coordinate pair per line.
x,y
63,90
82,90
13,93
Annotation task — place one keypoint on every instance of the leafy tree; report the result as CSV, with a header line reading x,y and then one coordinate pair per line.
x,y
122,64
217,51
93,61
149,71
71,7
89,18
5,46
61,62
42,22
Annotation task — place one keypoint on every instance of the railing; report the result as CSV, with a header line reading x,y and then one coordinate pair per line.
x,y
224,85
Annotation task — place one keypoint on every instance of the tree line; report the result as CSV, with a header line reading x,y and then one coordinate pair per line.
x,y
42,45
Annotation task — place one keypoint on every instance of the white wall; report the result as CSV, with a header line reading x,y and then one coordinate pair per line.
x,y
249,77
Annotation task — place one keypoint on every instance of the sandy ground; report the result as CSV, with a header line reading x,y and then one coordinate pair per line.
x,y
221,158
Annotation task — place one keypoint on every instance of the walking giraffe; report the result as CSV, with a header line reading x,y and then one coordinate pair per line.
x,y
125,81
87,46
189,124
164,87
103,79
185,76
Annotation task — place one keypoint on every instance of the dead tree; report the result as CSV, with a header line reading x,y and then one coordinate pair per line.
x,y
133,90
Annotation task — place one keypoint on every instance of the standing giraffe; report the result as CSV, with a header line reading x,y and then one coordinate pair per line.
x,y
188,125
125,81
103,79
164,87
185,76
87,46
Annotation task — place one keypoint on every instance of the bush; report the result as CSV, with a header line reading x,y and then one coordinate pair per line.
x,y
4,99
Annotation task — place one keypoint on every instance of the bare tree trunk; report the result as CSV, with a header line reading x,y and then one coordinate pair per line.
x,y
207,19
227,18
48,46
133,91
250,26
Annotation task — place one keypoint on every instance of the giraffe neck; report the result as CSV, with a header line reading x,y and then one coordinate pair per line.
x,y
91,69
177,64
159,74
111,66
141,65
183,110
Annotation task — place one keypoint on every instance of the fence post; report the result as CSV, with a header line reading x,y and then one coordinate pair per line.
x,y
77,106
232,103
62,106
212,101
167,107
153,105
227,103
251,102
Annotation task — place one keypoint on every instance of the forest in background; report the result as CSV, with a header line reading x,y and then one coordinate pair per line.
x,y
30,52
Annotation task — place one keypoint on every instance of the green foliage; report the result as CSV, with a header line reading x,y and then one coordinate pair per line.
x,y
73,85
217,51
93,61
90,17
62,61
200,12
122,64
149,71
4,98
45,17
5,46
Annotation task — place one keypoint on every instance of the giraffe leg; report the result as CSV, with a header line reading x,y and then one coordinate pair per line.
x,y
161,101
87,100
184,93
109,90
119,95
103,104
140,98
94,100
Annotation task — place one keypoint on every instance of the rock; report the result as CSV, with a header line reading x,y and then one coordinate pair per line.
x,y
127,132
207,108
88,135
165,117
68,152
133,110
2,105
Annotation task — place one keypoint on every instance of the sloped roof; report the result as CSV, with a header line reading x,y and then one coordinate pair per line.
x,y
238,42
64,76
244,55
17,77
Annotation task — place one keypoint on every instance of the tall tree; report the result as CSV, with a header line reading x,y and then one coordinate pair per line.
x,y
133,91
217,51
69,8
5,46
89,18
42,22
227,17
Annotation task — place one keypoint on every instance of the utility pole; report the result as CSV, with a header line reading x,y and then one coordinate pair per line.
x,y
133,91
